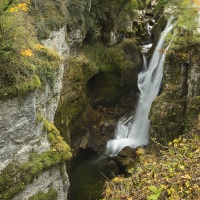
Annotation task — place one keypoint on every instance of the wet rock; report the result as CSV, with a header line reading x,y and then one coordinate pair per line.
x,y
126,157
85,141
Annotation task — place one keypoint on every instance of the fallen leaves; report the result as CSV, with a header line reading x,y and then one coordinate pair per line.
x,y
174,174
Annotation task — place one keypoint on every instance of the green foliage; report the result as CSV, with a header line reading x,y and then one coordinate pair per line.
x,y
15,176
77,13
172,174
20,89
186,28
106,59
55,139
47,62
22,62
160,8
156,193
50,195
49,16
5,5
106,16
13,37
82,68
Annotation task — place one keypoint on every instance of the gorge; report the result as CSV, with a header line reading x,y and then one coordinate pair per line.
x,y
134,131
72,69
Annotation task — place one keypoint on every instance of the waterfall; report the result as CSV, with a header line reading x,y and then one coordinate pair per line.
x,y
134,131
149,28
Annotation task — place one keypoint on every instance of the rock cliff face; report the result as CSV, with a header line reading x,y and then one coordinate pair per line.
x,y
90,82
176,110
22,133
26,127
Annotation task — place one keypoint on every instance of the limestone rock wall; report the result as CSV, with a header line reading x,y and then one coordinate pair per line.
x,y
21,133
176,110
50,178
21,128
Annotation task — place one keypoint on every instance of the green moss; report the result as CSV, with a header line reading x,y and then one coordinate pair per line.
x,y
55,139
82,68
68,114
50,195
98,73
47,62
27,172
24,65
43,65
160,8
20,58
73,102
15,27
21,88
103,57
49,16
117,70
185,33
39,118
109,59
103,18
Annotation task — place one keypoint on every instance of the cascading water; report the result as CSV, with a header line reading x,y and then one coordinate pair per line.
x,y
134,131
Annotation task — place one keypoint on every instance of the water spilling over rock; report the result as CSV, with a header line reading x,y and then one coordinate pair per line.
x,y
134,131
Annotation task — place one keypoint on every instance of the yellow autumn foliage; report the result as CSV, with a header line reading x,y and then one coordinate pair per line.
x,y
174,176
27,52
19,7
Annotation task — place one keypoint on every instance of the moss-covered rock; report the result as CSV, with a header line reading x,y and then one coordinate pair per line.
x,y
20,89
50,194
73,99
176,110
49,16
118,67
15,176
98,76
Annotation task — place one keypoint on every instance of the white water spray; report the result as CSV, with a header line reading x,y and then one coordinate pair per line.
x,y
134,131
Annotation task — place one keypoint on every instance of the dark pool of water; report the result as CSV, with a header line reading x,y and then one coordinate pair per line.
x,y
88,173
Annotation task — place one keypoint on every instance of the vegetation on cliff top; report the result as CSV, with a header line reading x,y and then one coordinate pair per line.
x,y
25,64
187,26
